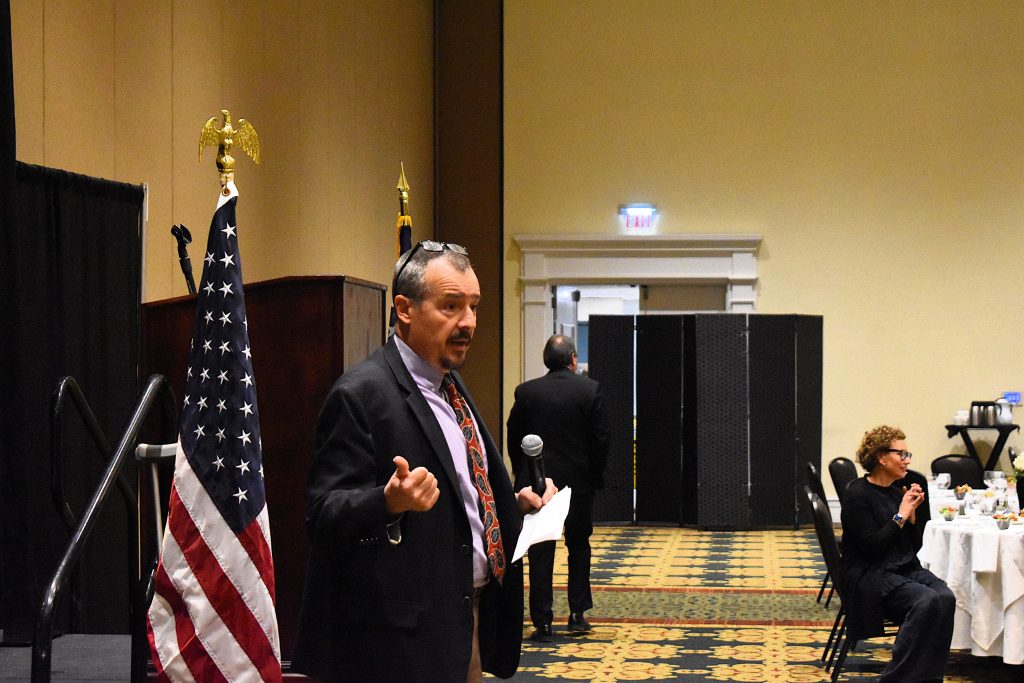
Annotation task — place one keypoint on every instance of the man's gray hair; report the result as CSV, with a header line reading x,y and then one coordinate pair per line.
x,y
412,281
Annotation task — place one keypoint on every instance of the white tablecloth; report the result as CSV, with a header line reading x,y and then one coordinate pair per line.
x,y
984,567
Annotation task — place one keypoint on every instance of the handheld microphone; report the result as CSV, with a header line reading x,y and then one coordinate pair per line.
x,y
532,445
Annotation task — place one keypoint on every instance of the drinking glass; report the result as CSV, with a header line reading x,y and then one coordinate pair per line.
x,y
991,479
976,502
988,505
1001,505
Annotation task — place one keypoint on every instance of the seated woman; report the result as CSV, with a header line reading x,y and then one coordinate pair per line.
x,y
882,531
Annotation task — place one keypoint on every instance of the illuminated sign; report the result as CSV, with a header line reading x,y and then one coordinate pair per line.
x,y
638,218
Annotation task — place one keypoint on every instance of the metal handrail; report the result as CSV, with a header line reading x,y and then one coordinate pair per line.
x,y
152,454
69,387
42,640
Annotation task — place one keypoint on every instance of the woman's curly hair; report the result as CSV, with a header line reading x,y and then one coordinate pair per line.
x,y
874,442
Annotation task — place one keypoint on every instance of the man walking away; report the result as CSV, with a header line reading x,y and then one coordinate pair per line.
x,y
566,411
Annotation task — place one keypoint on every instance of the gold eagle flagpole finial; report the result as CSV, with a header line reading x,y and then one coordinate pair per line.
x,y
225,137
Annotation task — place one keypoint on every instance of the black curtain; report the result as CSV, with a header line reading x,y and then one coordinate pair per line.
x,y
73,258
7,157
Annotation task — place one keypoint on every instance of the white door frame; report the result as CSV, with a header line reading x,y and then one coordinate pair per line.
x,y
549,260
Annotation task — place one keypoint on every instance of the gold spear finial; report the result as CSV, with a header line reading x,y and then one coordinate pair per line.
x,y
224,137
404,219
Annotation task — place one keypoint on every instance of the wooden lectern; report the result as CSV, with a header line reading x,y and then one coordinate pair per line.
x,y
305,332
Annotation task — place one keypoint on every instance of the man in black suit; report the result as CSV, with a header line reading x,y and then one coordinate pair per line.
x,y
567,412
412,515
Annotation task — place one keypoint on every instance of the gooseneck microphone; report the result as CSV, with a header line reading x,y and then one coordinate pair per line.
x,y
532,445
184,238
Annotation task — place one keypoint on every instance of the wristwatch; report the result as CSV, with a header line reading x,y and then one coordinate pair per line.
x,y
899,519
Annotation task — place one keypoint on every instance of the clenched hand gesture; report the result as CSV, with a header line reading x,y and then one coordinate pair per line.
x,y
416,490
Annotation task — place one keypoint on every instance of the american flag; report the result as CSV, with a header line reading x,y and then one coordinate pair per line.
x,y
212,616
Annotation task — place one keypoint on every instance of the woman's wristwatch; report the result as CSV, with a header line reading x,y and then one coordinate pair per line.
x,y
899,519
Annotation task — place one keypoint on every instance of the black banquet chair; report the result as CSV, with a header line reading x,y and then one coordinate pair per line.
x,y
815,486
814,481
962,469
843,471
826,536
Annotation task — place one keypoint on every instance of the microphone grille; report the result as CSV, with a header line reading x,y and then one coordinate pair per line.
x,y
532,445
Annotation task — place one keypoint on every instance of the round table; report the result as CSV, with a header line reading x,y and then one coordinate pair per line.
x,y
984,567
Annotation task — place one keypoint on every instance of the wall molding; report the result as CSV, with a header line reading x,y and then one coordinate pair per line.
x,y
549,260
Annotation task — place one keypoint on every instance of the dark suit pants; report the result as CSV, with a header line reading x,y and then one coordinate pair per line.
x,y
924,607
579,526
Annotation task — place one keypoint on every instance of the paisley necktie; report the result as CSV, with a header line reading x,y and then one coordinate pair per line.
x,y
488,511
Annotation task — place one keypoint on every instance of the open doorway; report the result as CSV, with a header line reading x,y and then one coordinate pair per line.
x,y
574,304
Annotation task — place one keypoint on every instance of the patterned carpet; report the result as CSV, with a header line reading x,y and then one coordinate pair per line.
x,y
685,605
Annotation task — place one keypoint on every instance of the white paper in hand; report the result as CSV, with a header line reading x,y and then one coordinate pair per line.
x,y
544,524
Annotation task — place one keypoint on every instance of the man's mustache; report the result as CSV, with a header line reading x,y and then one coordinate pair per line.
x,y
465,336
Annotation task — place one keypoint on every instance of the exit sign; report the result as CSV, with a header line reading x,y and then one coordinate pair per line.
x,y
638,218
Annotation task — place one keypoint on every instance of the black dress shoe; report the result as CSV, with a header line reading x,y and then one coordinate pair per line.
x,y
578,623
542,634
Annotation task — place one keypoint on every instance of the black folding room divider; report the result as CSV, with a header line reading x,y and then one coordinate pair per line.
x,y
611,364
723,425
659,400
727,413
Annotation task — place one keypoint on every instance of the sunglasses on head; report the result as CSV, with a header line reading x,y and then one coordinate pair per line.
x,y
427,245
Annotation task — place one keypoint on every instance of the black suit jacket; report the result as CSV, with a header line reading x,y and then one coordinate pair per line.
x,y
566,410
376,611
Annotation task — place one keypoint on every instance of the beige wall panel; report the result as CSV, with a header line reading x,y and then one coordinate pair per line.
x,y
79,110
244,59
142,144
198,70
875,146
324,138
281,171
29,76
367,173
365,108
389,109
410,111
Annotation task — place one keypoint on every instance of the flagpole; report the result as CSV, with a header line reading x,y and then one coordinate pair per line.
x,y
403,224
404,221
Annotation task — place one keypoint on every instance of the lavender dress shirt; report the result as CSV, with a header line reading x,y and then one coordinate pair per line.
x,y
428,379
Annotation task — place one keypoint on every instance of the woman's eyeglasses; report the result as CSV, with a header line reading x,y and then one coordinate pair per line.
x,y
428,245
904,455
